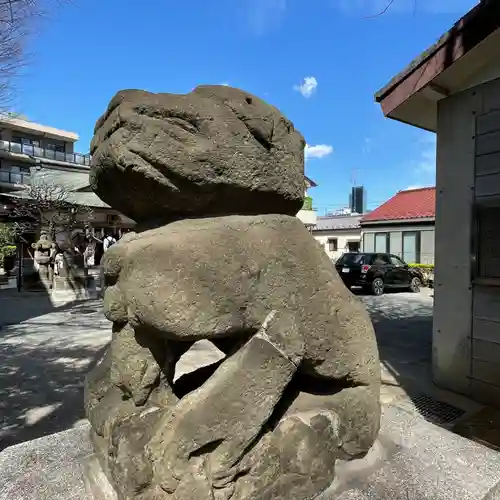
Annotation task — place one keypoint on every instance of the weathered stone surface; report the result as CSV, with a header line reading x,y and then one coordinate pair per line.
x,y
44,257
298,460
96,482
214,151
228,410
295,383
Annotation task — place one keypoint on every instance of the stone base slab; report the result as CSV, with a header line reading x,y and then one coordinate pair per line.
x,y
412,460
96,482
48,468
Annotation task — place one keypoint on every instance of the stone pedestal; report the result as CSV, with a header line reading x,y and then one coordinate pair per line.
x,y
96,482
411,460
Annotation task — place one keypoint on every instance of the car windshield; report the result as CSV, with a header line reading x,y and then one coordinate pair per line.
x,y
353,258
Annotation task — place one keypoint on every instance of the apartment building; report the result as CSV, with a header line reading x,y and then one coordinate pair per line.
x,y
27,148
24,145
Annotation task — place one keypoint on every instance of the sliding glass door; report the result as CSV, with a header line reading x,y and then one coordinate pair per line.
x,y
410,247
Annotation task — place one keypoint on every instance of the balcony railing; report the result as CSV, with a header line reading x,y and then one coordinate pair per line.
x,y
13,177
38,152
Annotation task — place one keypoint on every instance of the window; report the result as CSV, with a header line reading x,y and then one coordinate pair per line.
x,y
25,141
381,259
333,244
14,174
396,262
488,242
112,219
368,242
381,242
354,258
353,246
58,148
411,247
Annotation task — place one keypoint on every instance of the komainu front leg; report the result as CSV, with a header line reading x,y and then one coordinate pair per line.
x,y
137,362
224,416
297,459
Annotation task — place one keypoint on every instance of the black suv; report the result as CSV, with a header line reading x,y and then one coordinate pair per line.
x,y
376,272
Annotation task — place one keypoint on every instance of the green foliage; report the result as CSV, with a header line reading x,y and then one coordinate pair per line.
x,y
7,247
424,267
18,116
308,203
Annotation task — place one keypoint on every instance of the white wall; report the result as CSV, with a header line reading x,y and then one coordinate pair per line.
x,y
343,237
454,198
308,217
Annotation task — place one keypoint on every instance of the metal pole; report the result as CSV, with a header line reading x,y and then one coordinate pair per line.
x,y
19,280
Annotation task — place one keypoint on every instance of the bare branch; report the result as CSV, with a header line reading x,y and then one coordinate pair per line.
x,y
46,205
16,25
382,12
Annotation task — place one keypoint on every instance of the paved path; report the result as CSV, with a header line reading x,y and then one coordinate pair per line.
x,y
46,350
43,361
403,325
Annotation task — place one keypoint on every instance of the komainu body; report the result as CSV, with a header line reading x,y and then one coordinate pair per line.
x,y
214,179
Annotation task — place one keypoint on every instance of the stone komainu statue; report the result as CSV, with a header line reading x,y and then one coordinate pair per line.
x,y
45,250
214,179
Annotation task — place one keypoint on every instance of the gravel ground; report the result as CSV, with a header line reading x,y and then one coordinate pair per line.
x,y
46,350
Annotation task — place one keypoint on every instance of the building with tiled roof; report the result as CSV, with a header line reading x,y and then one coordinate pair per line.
x,y
403,226
338,234
411,204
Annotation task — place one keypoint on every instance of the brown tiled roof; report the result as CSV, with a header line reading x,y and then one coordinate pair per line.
x,y
406,205
468,32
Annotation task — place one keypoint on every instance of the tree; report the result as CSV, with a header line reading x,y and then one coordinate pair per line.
x,y
387,6
16,24
45,204
7,239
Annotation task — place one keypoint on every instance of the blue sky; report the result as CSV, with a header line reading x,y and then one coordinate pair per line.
x,y
319,61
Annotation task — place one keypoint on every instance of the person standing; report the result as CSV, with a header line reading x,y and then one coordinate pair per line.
x,y
89,251
108,241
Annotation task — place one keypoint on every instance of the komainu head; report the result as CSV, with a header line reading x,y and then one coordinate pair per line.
x,y
215,151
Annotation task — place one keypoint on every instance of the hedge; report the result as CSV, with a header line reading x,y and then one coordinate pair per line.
x,y
426,267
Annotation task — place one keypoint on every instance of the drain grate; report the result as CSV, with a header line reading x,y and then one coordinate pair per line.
x,y
437,412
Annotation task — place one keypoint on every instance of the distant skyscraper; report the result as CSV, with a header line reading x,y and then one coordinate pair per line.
x,y
357,200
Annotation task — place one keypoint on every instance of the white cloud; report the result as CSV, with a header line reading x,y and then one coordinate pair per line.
x,y
307,87
224,84
318,151
411,188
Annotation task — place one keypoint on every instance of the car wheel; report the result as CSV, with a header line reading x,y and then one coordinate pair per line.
x,y
415,285
378,286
